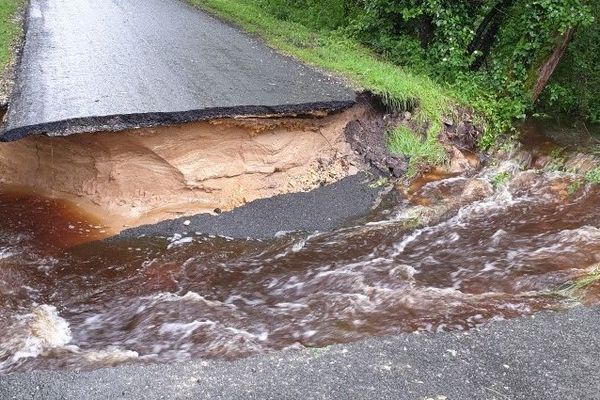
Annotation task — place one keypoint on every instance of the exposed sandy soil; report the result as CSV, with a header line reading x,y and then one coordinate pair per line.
x,y
147,175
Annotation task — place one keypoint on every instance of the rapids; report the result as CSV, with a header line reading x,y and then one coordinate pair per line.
x,y
447,254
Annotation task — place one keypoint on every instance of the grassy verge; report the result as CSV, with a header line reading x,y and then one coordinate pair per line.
x,y
9,29
335,52
429,151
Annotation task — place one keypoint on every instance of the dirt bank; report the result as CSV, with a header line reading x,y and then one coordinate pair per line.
x,y
147,175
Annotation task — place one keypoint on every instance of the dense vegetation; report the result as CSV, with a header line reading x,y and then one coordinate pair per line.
x,y
495,55
490,51
575,86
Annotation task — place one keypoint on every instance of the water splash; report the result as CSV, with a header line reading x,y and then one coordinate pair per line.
x,y
448,255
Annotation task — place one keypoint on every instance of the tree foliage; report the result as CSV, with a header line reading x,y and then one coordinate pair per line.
x,y
490,52
575,87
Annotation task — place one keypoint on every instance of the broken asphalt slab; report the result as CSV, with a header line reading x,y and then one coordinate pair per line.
x,y
552,355
108,65
323,209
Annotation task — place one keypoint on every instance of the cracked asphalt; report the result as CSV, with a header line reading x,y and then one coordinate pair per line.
x,y
108,65
322,209
114,64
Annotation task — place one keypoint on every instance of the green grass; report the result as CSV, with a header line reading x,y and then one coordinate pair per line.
x,y
593,176
501,179
381,182
588,279
8,29
573,187
577,288
399,88
419,150
557,160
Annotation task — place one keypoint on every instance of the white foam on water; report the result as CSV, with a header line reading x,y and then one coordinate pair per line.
x,y
180,241
250,302
183,330
583,234
7,252
189,296
34,334
45,330
399,247
298,246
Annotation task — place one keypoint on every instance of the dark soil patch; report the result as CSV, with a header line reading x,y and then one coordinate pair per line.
x,y
368,137
461,131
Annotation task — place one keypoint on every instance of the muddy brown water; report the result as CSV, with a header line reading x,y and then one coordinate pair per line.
x,y
68,301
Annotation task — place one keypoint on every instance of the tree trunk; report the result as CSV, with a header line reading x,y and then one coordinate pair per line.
x,y
486,33
546,70
425,30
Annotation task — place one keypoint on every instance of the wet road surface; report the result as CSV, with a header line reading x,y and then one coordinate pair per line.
x,y
552,356
94,65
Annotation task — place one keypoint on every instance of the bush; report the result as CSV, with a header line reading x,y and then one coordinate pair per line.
x,y
575,86
484,53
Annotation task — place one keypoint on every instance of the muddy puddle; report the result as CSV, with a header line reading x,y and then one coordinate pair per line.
x,y
447,254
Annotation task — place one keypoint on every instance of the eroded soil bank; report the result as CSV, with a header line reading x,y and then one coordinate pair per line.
x,y
447,253
144,176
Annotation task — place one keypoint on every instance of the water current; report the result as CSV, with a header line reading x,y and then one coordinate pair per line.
x,y
447,254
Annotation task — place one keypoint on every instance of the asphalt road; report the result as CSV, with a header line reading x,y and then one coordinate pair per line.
x,y
96,65
548,356
322,209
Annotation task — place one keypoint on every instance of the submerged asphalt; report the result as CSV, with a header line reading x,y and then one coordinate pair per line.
x,y
547,356
107,65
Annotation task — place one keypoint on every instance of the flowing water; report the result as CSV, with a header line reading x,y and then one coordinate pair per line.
x,y
446,255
